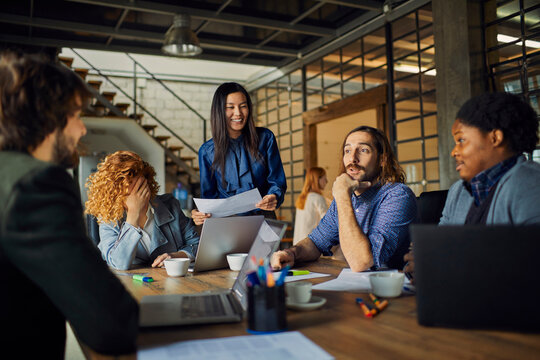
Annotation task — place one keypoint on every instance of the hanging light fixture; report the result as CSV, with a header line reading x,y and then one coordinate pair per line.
x,y
180,40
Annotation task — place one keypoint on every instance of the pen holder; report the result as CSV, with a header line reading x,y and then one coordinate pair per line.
x,y
266,309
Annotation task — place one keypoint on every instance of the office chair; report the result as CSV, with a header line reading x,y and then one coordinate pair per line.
x,y
92,229
430,205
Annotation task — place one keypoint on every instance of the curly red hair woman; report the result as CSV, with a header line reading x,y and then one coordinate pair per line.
x,y
136,226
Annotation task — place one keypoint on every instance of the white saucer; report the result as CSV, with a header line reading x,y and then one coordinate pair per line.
x,y
314,303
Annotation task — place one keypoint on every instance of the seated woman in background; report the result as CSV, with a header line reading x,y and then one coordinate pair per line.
x,y
136,226
240,156
310,205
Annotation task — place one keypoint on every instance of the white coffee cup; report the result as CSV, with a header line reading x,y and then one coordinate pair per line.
x,y
177,266
387,284
236,261
298,291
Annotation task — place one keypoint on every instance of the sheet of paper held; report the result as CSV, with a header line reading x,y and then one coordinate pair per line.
x,y
348,281
233,205
287,345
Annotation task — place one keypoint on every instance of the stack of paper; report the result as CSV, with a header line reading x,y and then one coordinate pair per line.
x,y
287,345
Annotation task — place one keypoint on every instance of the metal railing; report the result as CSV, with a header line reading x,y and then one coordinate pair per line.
x,y
175,135
172,93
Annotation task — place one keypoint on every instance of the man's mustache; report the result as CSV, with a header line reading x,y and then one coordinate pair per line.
x,y
355,167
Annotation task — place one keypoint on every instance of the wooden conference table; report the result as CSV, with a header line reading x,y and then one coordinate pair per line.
x,y
340,327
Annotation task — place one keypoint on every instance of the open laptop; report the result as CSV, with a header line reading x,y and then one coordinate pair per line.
x,y
216,307
222,236
477,276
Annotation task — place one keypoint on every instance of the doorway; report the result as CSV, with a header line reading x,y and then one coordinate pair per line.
x,y
326,127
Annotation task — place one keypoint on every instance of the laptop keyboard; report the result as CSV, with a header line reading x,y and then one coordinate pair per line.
x,y
207,305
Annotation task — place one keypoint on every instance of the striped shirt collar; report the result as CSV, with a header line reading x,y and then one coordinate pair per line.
x,y
482,183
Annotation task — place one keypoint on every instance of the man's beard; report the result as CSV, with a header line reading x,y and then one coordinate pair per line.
x,y
366,176
63,155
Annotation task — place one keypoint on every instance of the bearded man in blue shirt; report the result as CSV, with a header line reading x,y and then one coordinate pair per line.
x,y
371,212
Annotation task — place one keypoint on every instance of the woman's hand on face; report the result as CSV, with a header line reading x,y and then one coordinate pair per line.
x,y
137,200
268,203
199,217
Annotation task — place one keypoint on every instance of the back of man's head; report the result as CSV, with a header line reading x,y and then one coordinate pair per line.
x,y
35,99
506,112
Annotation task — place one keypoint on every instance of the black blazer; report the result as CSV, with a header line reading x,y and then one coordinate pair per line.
x,y
50,271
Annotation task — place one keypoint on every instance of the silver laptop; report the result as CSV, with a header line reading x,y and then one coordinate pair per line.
x,y
216,307
222,236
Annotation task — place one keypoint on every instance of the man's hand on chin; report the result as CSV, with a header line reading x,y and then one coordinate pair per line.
x,y
344,185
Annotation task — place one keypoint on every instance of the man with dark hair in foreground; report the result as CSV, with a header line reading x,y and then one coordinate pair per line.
x,y
51,272
371,212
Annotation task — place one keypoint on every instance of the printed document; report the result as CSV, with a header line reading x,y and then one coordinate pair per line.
x,y
288,345
233,205
348,281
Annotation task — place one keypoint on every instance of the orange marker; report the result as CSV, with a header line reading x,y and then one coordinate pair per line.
x,y
367,312
270,282
380,305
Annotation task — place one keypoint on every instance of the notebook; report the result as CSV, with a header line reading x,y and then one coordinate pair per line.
x,y
222,236
477,276
216,307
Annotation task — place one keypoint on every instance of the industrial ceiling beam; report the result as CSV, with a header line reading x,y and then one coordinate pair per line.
x,y
137,35
320,49
236,19
279,32
359,4
41,41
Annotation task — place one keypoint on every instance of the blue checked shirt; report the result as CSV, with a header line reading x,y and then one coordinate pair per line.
x,y
383,213
484,181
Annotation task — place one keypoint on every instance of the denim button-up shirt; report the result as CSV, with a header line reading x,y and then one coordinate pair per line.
x,y
121,247
242,171
384,214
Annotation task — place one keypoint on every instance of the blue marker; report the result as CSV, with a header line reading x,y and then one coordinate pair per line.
x,y
283,275
253,278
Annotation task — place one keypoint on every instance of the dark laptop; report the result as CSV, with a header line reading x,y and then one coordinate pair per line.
x,y
216,307
477,276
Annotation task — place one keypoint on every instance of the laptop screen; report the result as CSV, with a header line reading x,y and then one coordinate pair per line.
x,y
267,241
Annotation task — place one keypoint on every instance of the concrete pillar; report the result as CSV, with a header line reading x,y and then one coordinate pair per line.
x,y
461,74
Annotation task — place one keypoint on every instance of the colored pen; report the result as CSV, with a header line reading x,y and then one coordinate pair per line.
x,y
269,278
381,305
253,278
282,275
364,308
297,272
143,278
261,273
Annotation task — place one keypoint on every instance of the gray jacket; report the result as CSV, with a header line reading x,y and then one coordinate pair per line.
x,y
516,199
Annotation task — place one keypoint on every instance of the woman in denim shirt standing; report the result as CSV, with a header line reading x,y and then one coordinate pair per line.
x,y
240,156
136,226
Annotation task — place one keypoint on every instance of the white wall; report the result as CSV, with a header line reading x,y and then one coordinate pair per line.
x,y
167,108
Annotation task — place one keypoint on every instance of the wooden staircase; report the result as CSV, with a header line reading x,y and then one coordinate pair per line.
x,y
179,168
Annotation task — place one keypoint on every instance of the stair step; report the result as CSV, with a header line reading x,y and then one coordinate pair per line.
x,y
109,95
137,117
175,148
66,60
81,72
187,158
122,106
96,84
162,138
99,109
148,127
182,171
